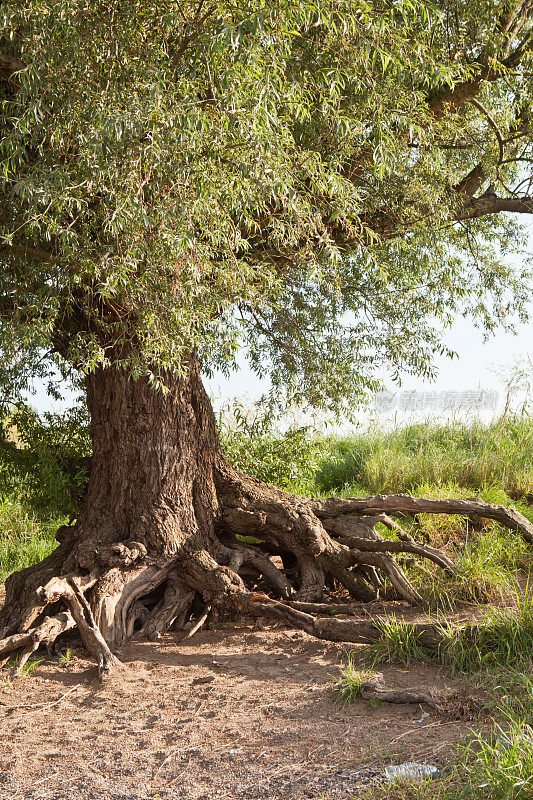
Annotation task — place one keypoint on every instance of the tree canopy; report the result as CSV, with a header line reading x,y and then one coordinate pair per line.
x,y
325,183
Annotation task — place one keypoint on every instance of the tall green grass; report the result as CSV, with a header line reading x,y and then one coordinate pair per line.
x,y
503,639
498,766
472,455
24,538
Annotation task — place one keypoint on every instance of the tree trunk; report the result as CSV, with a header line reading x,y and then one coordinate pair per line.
x,y
151,502
163,538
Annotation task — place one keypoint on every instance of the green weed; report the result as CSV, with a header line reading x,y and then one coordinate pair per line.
x,y
503,639
509,690
66,657
30,666
24,539
11,665
399,643
501,768
349,685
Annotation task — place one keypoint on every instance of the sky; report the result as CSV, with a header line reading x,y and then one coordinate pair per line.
x,y
480,365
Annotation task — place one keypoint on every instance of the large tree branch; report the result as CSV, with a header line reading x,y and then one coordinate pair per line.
x,y
455,98
10,64
492,204
405,504
39,253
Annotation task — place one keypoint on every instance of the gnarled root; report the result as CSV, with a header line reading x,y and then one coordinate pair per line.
x,y
326,545
272,555
374,689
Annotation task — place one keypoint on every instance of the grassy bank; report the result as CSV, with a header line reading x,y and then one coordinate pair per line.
x,y
471,456
493,462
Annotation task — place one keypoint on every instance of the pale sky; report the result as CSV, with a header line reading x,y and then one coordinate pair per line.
x,y
480,365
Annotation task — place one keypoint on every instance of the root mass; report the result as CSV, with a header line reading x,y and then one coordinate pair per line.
x,y
170,535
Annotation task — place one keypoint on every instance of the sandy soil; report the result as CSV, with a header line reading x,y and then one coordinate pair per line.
x,y
232,713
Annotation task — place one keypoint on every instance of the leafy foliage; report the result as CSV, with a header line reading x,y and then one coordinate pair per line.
x,y
45,459
309,179
254,444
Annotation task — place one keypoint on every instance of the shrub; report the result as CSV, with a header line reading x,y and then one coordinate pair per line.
x,y
254,443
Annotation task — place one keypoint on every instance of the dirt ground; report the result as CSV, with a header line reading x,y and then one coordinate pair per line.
x,y
231,713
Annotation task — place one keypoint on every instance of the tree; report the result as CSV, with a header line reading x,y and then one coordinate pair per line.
x,y
323,183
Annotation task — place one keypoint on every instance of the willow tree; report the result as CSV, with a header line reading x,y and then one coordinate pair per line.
x,y
320,183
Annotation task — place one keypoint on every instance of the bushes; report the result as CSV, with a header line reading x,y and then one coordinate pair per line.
x,y
254,444
24,538
44,460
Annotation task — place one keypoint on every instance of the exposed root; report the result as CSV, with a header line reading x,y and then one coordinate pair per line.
x,y
405,504
339,547
430,635
374,690
243,555
174,605
266,543
67,589
199,624
348,609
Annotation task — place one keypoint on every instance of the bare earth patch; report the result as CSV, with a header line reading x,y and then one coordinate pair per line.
x,y
233,713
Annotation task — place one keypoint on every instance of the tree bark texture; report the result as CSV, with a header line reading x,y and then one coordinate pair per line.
x,y
170,533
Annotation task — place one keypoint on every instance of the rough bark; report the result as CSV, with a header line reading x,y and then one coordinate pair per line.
x,y
169,533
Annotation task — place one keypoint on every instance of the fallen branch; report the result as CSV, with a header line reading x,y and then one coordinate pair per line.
x,y
405,504
374,690
46,633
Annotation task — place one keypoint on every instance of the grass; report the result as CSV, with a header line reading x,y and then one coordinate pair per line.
x,y
66,657
501,768
349,685
489,560
497,767
504,640
24,538
27,669
398,644
471,455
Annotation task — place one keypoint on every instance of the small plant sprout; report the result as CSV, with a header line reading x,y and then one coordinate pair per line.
x,y
349,685
23,669
66,657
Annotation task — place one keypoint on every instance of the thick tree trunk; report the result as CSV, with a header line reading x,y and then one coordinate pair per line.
x,y
150,503
152,466
163,538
